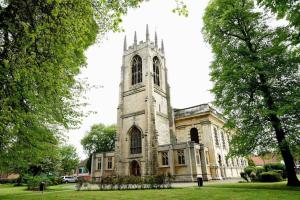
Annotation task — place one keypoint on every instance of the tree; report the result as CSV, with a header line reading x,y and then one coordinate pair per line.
x,y
99,139
256,79
42,47
69,159
289,9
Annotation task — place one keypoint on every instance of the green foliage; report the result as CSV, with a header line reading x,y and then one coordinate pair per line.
x,y
244,175
100,138
34,182
256,78
259,170
251,162
69,159
270,177
274,166
249,170
130,182
181,8
288,9
42,46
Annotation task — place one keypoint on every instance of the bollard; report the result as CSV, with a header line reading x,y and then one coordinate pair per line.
x,y
42,186
200,181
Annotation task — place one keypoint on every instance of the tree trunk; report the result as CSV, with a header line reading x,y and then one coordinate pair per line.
x,y
285,152
280,135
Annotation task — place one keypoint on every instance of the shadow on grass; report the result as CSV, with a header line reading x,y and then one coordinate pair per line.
x,y
265,186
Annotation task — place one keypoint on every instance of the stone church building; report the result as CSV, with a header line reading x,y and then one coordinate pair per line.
x,y
154,138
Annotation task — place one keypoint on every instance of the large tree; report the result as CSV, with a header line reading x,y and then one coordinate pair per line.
x,y
99,139
69,159
42,47
256,79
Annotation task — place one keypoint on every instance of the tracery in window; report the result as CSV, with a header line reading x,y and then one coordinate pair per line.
x,y
216,137
156,67
135,141
136,70
181,159
165,158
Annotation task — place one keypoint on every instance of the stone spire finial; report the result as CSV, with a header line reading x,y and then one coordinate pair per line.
x,y
155,39
135,38
147,33
162,46
125,44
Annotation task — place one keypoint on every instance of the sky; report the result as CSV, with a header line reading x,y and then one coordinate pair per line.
x,y
187,56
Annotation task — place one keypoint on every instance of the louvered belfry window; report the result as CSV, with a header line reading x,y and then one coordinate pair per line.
x,y
136,70
156,66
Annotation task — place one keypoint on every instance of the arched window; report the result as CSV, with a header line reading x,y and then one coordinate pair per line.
x,y
156,66
223,140
194,135
135,141
136,70
216,137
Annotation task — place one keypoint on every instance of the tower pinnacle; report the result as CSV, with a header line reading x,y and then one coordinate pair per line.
x,y
162,46
147,33
156,39
125,44
135,38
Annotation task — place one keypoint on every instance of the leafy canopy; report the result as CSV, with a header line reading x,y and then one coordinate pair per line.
x,y
249,56
69,159
100,138
42,47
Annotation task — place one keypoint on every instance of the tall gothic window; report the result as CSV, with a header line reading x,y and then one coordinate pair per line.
x,y
136,141
216,137
136,70
223,140
156,66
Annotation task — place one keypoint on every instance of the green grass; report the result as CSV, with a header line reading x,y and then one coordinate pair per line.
x,y
236,191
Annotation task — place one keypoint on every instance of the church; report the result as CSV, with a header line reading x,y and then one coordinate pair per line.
x,y
154,138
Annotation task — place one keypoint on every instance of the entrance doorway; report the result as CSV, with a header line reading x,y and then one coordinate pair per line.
x,y
135,168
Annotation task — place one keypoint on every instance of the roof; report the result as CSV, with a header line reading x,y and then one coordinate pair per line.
x,y
260,161
198,109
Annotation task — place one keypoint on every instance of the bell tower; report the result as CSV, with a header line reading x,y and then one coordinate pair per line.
x,y
145,117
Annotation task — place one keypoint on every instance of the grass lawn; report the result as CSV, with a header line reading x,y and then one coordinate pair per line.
x,y
234,191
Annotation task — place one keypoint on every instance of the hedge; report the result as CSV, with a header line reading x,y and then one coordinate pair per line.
x,y
271,176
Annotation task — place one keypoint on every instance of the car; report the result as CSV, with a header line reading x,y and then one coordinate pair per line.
x,y
69,179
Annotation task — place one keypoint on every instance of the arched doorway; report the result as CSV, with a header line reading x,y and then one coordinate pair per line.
x,y
194,135
135,168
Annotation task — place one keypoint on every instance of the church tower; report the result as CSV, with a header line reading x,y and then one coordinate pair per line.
x,y
145,117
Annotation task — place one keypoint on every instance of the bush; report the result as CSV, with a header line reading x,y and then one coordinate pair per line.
x,y
244,176
276,167
248,170
270,177
34,182
259,170
8,181
131,182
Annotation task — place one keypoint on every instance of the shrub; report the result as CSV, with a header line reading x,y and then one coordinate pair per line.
x,y
274,166
244,176
34,182
259,170
8,181
248,170
270,177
